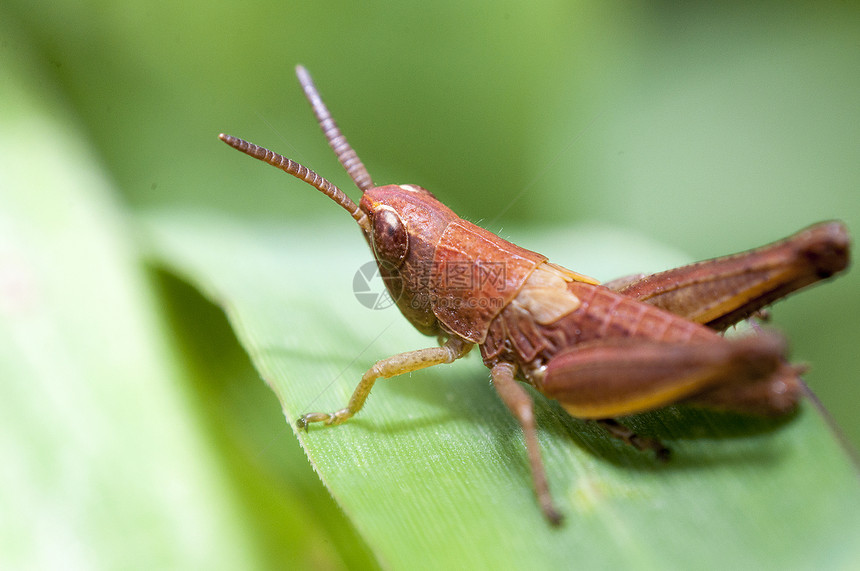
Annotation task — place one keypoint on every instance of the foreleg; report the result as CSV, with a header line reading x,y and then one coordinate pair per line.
x,y
407,362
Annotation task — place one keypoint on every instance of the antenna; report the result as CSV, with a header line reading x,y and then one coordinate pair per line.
x,y
338,143
302,172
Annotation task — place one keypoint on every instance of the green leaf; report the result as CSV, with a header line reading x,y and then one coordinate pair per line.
x,y
102,464
433,472
112,451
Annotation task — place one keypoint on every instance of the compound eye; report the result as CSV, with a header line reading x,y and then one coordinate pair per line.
x,y
390,238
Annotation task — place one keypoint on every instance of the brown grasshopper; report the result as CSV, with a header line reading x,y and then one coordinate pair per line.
x,y
603,351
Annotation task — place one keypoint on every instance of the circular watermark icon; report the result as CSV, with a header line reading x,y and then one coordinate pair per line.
x,y
369,288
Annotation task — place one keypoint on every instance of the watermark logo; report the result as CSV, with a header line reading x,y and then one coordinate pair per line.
x,y
369,289
424,300
433,285
458,275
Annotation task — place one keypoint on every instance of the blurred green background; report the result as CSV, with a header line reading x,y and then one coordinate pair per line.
x,y
709,128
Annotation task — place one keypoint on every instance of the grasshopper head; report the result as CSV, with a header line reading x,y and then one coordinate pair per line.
x,y
406,223
402,223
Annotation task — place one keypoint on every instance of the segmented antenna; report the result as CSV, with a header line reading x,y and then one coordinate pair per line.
x,y
301,172
338,143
